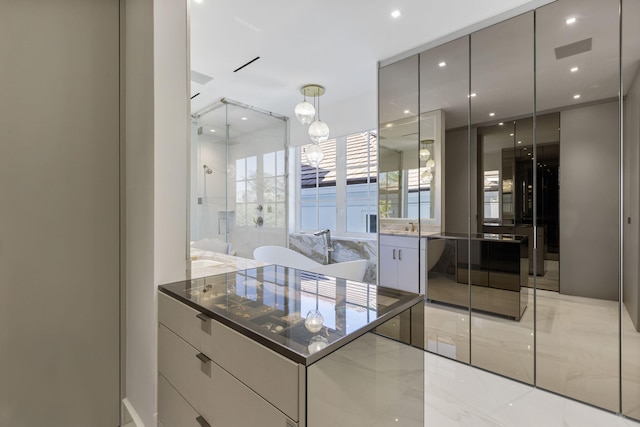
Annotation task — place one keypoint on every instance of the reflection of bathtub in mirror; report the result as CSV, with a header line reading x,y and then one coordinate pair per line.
x,y
351,270
434,252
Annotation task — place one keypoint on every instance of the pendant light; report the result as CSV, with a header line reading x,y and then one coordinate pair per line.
x,y
424,152
305,112
318,131
313,153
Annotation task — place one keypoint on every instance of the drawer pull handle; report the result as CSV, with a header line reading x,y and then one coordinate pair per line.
x,y
394,254
399,254
203,317
203,358
202,421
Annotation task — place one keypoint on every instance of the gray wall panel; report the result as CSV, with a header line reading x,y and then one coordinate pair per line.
x,y
59,213
589,173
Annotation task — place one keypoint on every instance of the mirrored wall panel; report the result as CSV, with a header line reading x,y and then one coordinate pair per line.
x,y
530,268
398,186
631,211
577,80
500,252
444,86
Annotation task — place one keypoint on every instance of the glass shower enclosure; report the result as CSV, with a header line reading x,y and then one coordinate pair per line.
x,y
238,182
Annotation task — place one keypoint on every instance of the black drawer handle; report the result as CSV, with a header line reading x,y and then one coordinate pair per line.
x,y
203,317
203,358
202,421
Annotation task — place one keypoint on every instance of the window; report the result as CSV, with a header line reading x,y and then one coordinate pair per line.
x,y
341,194
266,197
492,195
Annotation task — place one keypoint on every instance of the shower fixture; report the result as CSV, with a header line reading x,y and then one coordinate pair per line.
x,y
207,169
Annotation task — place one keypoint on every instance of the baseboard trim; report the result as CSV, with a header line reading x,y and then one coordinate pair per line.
x,y
129,414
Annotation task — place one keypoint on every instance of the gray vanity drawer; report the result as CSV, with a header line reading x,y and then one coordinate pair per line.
x,y
272,376
173,410
221,399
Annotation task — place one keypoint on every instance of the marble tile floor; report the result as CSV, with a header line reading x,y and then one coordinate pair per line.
x,y
372,382
458,395
577,347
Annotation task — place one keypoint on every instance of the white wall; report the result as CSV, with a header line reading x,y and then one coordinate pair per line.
x,y
589,174
156,174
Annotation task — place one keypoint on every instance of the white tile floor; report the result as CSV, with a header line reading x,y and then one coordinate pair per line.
x,y
577,347
458,395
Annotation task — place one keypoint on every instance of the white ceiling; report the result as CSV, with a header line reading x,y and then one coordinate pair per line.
x,y
333,43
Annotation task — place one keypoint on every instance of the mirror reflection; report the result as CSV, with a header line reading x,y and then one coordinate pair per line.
x,y
577,350
532,199
631,209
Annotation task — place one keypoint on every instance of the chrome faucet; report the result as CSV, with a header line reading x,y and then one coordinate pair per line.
x,y
328,247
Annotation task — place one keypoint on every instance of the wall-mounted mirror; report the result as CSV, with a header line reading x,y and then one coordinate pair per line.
x,y
444,82
542,201
631,209
577,78
501,115
411,168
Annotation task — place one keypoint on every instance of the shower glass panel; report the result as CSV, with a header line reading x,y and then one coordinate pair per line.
x,y
577,79
239,186
631,209
501,98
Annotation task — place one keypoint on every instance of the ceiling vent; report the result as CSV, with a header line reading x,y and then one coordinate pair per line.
x,y
248,63
573,48
200,78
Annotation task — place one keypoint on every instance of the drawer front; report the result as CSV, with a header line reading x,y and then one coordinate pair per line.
x,y
221,399
182,320
178,363
269,374
173,410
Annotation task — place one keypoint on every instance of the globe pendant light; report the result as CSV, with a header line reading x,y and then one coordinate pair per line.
x,y
424,152
319,131
305,112
314,154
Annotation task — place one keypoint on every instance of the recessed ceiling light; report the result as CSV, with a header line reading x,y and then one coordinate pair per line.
x,y
243,118
528,154
525,148
389,125
492,114
396,13
442,64
473,95
571,20
519,142
576,96
501,124
407,111
574,69
212,130
510,134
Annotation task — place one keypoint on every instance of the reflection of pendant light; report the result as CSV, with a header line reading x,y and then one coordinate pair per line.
x,y
430,164
314,154
426,177
424,152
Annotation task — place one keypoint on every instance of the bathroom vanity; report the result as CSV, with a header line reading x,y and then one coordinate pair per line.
x,y
496,264
236,349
